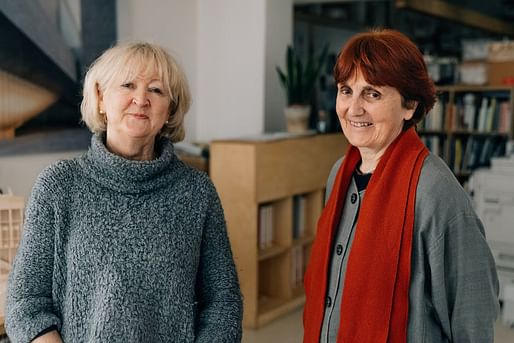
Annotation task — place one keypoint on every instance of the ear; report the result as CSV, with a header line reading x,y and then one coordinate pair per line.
x,y
100,98
411,106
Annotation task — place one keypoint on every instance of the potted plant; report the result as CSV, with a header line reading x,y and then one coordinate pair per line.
x,y
299,82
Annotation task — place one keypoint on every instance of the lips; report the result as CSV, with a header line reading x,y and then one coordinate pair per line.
x,y
139,115
360,124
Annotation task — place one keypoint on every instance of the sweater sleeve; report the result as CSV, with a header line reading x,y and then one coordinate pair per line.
x,y
464,281
219,299
29,306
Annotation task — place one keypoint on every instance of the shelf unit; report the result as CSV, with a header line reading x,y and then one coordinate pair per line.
x,y
252,175
469,125
11,222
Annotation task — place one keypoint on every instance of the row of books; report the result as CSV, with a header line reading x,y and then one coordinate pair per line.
x,y
434,121
469,112
434,144
492,115
468,154
266,229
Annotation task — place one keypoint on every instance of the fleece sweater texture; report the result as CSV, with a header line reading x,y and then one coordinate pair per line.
x,y
115,250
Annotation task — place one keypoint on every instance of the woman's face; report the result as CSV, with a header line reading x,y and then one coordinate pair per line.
x,y
371,116
135,108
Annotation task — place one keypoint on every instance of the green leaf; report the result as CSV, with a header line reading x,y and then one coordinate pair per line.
x,y
299,81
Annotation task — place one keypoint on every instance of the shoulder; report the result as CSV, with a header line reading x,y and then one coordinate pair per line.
x,y
59,173
195,179
53,182
442,206
439,188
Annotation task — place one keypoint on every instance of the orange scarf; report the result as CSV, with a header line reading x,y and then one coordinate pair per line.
x,y
375,301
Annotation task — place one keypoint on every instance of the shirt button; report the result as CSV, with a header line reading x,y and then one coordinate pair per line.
x,y
353,198
339,249
328,301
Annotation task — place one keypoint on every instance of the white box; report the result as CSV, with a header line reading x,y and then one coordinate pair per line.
x,y
494,202
508,305
473,73
475,49
493,197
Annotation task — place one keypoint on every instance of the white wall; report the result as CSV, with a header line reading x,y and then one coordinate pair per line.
x,y
279,34
231,49
20,172
228,49
171,24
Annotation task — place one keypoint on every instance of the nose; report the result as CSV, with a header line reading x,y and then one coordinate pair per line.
x,y
355,106
140,99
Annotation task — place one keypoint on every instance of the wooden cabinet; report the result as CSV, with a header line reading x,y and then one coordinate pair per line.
x,y
11,222
469,125
267,189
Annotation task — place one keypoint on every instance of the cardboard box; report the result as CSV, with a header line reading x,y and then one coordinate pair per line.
x,y
501,73
501,52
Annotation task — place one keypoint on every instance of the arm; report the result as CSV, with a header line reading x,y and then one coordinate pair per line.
x,y
219,298
464,281
29,304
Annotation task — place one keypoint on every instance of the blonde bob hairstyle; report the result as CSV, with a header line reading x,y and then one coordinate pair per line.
x,y
127,61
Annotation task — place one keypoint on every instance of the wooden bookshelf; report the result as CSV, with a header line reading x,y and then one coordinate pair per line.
x,y
11,222
251,174
469,125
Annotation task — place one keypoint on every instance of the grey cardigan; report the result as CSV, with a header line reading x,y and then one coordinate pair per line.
x,y
115,250
453,293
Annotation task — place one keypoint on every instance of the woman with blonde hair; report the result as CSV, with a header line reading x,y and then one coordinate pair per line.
x,y
126,243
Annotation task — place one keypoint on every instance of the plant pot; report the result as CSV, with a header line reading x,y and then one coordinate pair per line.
x,y
297,118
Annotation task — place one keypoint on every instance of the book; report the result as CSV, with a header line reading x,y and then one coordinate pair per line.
x,y
298,216
458,156
265,226
491,111
482,114
469,111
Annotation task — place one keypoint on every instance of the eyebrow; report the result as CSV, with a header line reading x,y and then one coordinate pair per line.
x,y
371,88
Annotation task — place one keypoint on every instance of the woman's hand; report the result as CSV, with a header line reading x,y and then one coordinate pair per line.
x,y
50,337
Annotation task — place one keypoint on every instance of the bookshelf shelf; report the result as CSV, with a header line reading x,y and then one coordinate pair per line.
x,y
479,133
272,251
303,240
469,125
272,193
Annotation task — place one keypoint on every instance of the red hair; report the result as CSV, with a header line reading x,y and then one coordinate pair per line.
x,y
389,58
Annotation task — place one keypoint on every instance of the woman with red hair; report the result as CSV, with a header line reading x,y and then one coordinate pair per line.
x,y
400,255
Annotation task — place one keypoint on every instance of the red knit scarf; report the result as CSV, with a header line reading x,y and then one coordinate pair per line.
x,y
375,301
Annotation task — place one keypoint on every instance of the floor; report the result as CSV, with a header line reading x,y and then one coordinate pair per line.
x,y
288,329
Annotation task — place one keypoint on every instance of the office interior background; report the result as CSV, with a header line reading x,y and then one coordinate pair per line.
x,y
229,50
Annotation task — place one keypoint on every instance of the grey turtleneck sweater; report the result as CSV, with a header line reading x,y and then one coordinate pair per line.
x,y
115,250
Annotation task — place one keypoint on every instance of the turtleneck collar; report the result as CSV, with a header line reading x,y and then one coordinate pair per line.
x,y
128,176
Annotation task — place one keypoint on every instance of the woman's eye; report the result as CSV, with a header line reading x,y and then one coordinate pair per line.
x,y
127,85
373,94
345,90
156,90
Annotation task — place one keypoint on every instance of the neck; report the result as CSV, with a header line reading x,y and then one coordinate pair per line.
x,y
369,160
137,149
